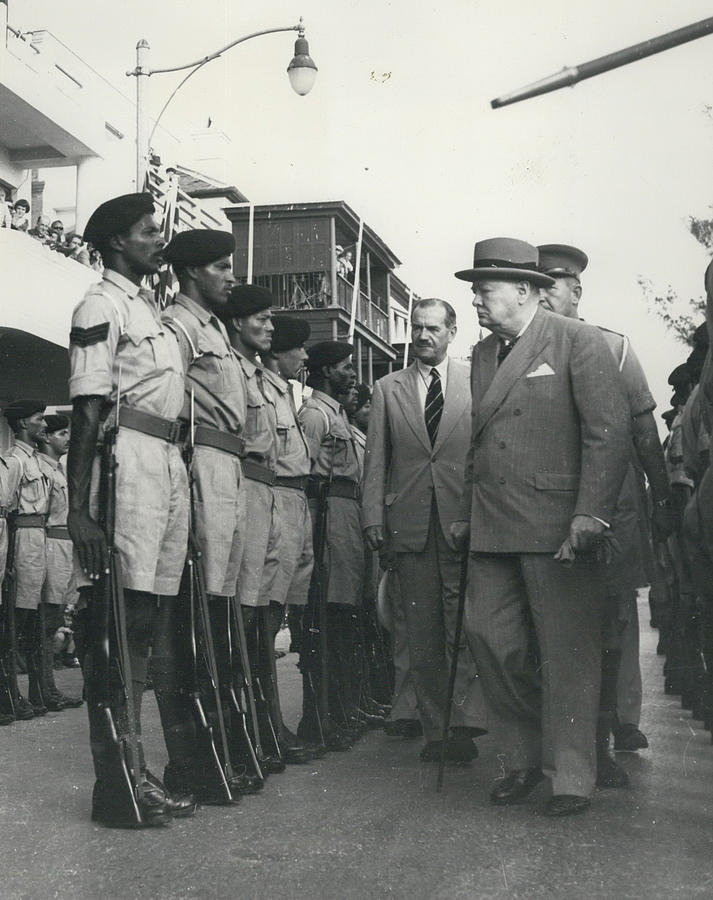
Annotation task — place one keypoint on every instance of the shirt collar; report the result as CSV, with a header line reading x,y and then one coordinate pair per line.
x,y
329,401
128,287
250,367
441,368
528,323
276,380
203,315
48,459
26,448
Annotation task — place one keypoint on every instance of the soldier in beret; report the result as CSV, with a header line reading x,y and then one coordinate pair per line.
x,y
126,368
634,566
248,319
289,582
215,404
10,475
57,589
27,420
335,482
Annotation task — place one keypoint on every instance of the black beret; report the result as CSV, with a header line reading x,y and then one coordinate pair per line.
x,y
680,377
289,333
198,247
116,216
700,336
56,423
669,415
23,409
327,353
363,395
246,300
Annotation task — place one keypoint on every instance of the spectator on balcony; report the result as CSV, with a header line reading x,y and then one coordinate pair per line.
x,y
75,249
58,226
5,209
41,231
20,215
345,267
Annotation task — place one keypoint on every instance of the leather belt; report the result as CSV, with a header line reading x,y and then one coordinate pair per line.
x,y
296,482
31,520
205,436
58,532
338,487
255,471
147,423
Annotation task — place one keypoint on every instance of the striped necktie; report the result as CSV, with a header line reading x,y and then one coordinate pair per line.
x,y
434,406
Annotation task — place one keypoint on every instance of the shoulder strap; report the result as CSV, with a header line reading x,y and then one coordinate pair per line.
x,y
194,353
122,324
624,351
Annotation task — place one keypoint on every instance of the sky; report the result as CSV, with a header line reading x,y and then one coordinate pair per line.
x,y
399,125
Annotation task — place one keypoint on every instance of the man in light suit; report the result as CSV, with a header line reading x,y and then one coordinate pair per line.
x,y
415,453
549,450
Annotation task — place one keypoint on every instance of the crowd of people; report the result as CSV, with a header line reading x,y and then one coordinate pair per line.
x,y
50,233
527,504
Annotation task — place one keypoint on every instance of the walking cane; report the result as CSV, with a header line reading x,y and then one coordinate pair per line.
x,y
462,585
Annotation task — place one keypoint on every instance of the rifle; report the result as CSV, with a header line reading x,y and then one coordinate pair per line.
x,y
462,587
8,689
109,616
199,602
252,752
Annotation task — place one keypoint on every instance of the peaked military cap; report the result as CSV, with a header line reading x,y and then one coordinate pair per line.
x,y
56,423
246,300
680,377
505,259
23,409
559,260
289,333
116,216
198,247
327,353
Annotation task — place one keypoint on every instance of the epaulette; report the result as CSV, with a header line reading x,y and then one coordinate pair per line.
x,y
624,344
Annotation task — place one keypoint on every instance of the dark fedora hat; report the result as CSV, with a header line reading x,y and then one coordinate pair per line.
x,y
505,259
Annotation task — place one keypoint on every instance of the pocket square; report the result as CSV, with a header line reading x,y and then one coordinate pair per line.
x,y
543,369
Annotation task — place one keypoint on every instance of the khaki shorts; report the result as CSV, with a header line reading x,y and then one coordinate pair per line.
x,y
288,581
219,510
151,513
30,566
344,550
260,557
59,571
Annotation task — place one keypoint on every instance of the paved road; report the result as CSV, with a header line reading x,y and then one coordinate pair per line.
x,y
365,824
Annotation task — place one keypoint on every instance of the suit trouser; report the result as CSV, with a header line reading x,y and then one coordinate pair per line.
x,y
429,595
629,689
404,704
534,627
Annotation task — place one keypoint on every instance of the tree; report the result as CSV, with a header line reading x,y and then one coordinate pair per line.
x,y
680,316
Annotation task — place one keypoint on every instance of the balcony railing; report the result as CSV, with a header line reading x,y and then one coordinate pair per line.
x,y
312,290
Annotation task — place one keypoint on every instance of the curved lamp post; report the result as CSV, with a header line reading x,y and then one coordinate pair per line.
x,y
301,71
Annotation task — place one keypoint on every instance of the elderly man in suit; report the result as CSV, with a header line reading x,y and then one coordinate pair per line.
x,y
549,450
413,475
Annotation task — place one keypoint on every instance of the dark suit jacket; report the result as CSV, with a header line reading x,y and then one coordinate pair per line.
x,y
550,437
402,472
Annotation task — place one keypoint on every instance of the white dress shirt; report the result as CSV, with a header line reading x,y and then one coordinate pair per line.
x,y
424,381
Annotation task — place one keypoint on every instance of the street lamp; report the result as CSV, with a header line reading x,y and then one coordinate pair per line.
x,y
301,71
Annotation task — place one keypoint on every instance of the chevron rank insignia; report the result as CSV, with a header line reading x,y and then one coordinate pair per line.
x,y
85,337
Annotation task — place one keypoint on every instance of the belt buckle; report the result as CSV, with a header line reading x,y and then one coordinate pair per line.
x,y
174,432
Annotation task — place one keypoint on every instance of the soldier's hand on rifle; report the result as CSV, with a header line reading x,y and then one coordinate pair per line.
x,y
460,534
90,543
374,535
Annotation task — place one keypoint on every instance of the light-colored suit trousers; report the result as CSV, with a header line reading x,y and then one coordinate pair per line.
x,y
429,594
543,707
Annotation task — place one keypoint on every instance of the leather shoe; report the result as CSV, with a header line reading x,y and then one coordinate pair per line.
x,y
23,710
295,754
65,700
181,804
316,749
515,786
457,751
629,739
6,718
609,773
272,765
246,784
334,739
566,805
405,728
111,808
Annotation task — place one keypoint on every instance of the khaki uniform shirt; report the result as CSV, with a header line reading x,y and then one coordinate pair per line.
x,y
55,474
118,341
329,438
10,475
213,373
292,450
260,423
33,493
